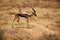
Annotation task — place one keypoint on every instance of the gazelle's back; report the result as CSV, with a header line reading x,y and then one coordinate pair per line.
x,y
23,15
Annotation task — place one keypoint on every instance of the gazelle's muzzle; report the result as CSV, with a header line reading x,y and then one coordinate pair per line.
x,y
35,15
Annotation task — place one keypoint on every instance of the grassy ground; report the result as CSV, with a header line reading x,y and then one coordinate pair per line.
x,y
43,27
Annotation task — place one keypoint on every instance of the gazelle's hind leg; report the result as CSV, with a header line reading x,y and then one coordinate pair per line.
x,y
16,17
13,21
18,22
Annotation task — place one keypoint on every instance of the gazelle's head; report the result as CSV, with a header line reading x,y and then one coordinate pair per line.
x,y
34,12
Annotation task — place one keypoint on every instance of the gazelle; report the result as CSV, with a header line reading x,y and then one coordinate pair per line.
x,y
25,16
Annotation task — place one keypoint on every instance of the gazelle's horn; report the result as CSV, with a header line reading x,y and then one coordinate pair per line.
x,y
34,12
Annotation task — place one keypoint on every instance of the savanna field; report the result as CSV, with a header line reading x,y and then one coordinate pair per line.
x,y
44,26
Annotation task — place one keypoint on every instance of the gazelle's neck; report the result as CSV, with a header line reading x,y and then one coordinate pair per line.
x,y
31,15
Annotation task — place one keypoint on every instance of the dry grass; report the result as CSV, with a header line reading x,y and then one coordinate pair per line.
x,y
43,27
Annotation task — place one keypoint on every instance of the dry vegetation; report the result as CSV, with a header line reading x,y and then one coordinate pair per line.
x,y
46,26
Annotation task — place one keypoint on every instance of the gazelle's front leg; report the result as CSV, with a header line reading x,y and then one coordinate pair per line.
x,y
28,23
